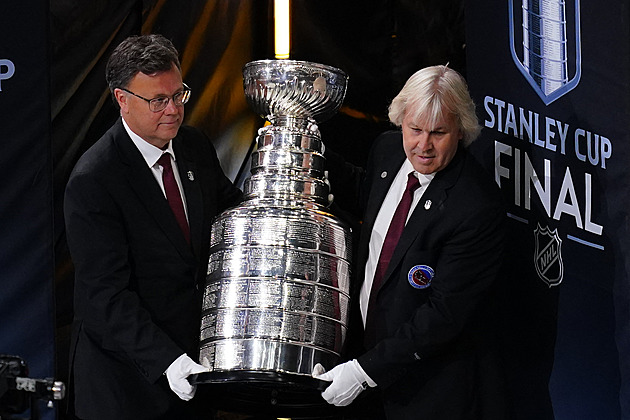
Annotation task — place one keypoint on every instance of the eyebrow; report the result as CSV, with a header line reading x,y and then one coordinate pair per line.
x,y
417,126
164,95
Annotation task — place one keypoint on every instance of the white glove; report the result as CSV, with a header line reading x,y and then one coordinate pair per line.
x,y
177,373
348,381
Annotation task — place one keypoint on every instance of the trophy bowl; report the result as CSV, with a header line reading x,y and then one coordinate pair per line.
x,y
300,89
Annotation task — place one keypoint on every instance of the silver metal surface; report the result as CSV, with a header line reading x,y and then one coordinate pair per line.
x,y
294,228
277,88
300,162
264,355
276,299
286,186
291,295
287,137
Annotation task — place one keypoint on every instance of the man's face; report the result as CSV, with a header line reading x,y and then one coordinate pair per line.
x,y
157,128
430,149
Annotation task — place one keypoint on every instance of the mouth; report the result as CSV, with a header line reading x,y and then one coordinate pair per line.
x,y
424,159
169,123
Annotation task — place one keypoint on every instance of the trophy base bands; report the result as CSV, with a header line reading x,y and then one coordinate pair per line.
x,y
266,393
272,380
263,355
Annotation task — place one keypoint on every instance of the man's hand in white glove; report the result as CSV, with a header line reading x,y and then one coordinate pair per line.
x,y
348,381
177,373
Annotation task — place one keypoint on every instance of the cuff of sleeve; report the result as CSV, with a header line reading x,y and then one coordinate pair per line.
x,y
367,379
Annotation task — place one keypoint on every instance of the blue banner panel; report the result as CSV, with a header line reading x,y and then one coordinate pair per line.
x,y
26,244
551,82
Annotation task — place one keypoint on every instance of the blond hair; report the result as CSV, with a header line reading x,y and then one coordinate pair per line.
x,y
430,93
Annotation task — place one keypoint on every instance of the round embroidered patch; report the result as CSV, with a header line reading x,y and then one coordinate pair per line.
x,y
420,276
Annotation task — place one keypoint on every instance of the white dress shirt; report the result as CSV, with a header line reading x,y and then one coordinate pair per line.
x,y
151,154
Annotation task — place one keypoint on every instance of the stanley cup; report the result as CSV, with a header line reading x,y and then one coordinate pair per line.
x,y
276,298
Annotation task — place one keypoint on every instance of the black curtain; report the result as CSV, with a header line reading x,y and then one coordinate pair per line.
x,y
26,251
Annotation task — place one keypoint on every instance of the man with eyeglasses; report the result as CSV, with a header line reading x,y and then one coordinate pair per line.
x,y
138,207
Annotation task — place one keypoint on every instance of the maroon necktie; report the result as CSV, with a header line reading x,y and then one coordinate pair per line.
x,y
393,233
173,195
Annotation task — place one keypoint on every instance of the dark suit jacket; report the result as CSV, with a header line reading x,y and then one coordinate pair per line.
x,y
138,283
431,351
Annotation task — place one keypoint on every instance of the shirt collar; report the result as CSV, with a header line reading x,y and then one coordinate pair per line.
x,y
149,152
424,179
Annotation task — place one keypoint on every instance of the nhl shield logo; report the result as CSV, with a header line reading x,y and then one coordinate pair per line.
x,y
546,46
548,255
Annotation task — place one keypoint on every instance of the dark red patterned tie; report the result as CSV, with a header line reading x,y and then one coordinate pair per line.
x,y
393,233
173,195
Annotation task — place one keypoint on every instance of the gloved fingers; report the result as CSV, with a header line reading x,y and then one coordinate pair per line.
x,y
326,376
177,374
330,375
184,366
334,396
183,389
329,394
348,381
318,370
196,368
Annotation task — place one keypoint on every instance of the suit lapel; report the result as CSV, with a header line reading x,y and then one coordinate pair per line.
x,y
381,180
192,189
426,212
380,186
142,181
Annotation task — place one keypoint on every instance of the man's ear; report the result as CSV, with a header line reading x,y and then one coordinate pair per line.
x,y
121,98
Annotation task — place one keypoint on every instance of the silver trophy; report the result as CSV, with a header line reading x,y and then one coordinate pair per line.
x,y
276,298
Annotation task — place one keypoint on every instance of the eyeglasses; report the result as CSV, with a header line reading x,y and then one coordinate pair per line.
x,y
160,103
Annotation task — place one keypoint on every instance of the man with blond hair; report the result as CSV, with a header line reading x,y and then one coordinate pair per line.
x,y
428,257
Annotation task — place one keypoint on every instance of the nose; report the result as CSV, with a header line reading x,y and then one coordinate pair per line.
x,y
424,142
171,108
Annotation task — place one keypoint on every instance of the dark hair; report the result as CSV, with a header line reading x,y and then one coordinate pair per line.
x,y
148,54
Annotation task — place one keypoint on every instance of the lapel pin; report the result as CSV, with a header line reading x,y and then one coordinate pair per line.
x,y
191,176
427,204
383,174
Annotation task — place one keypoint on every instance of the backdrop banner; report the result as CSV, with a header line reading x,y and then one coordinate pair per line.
x,y
551,82
26,256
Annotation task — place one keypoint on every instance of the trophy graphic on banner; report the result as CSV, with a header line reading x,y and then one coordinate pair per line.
x,y
545,46
276,298
545,43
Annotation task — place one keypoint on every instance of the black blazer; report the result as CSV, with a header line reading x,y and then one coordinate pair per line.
x,y
432,351
138,283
